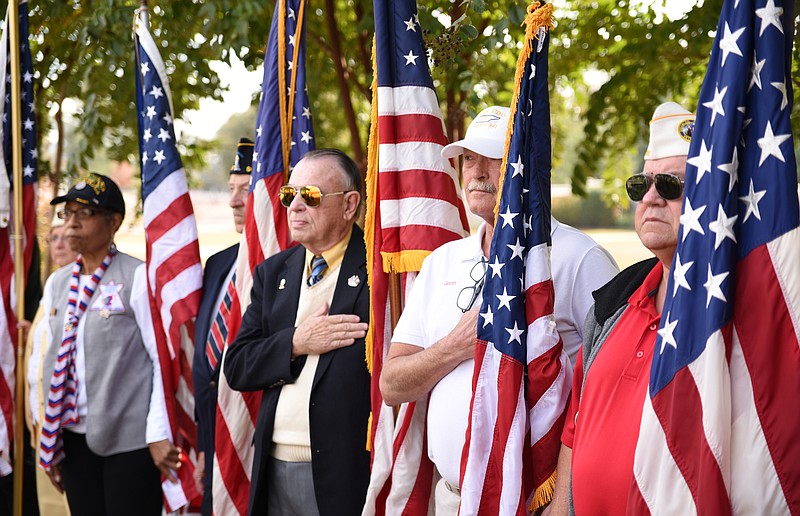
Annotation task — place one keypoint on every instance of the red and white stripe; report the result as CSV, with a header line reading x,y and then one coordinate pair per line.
x,y
423,206
174,282
8,338
401,480
734,414
512,432
418,207
8,317
266,233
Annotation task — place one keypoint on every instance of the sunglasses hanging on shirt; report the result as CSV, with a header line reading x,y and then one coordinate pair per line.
x,y
468,295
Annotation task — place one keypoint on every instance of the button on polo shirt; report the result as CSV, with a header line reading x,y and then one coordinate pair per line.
x,y
602,426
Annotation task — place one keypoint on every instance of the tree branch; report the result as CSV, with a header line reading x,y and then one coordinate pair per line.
x,y
344,87
364,52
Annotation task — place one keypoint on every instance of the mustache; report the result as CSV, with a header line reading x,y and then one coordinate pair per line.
x,y
476,185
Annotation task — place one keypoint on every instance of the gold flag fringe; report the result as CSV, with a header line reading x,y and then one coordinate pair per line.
x,y
538,16
543,494
404,261
369,220
286,106
372,193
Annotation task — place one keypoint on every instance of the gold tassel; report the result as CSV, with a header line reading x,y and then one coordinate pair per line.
x,y
404,261
369,433
543,493
538,16
282,107
372,196
287,148
369,220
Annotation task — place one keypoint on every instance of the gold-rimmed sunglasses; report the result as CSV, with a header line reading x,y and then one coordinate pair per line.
x,y
311,195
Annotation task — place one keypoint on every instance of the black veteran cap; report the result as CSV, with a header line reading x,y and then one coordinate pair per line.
x,y
244,157
95,191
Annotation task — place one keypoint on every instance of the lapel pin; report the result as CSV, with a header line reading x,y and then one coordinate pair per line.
x,y
105,313
353,281
282,284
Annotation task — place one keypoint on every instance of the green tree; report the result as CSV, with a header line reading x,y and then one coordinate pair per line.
x,y
213,175
612,62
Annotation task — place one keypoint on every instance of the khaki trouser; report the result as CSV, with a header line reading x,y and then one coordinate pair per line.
x,y
447,499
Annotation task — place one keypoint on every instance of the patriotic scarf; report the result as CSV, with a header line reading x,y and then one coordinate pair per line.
x,y
62,410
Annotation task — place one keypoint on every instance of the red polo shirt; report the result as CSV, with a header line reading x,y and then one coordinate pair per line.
x,y
603,423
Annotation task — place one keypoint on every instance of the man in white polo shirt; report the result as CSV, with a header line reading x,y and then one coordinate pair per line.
x,y
433,344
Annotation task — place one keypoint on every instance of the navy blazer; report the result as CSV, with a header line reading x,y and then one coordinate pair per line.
x,y
260,359
204,377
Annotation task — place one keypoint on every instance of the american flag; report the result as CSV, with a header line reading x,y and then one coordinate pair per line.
x,y
414,206
284,133
522,375
174,272
720,425
30,156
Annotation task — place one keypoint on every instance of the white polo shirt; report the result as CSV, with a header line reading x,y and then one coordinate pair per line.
x,y
579,267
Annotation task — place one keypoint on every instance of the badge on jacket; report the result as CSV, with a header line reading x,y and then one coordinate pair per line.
x,y
353,281
109,301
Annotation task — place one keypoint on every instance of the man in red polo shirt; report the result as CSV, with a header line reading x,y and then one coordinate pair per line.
x,y
613,367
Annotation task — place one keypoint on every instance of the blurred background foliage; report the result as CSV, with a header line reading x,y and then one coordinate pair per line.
x,y
611,63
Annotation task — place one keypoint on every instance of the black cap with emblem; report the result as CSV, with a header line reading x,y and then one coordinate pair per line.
x,y
96,191
244,157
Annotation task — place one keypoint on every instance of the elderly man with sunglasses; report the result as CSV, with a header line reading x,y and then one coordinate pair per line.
x,y
433,344
301,344
613,368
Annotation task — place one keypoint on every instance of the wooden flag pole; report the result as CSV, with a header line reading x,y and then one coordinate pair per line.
x,y
19,272
395,298
395,310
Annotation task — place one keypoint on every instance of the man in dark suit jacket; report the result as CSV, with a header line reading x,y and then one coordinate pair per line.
x,y
302,343
205,368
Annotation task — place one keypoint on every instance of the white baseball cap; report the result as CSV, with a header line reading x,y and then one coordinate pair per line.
x,y
486,135
670,131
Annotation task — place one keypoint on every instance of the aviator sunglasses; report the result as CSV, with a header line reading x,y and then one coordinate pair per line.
x,y
668,186
311,195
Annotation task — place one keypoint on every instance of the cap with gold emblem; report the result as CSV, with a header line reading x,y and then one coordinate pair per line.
x,y
95,190
670,131
244,157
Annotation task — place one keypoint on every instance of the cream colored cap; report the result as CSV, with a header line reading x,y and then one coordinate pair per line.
x,y
486,135
670,131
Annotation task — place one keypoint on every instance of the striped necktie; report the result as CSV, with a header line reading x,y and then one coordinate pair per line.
x,y
318,266
219,328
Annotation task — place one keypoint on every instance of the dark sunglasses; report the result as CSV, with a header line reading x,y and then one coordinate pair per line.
x,y
668,186
311,195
